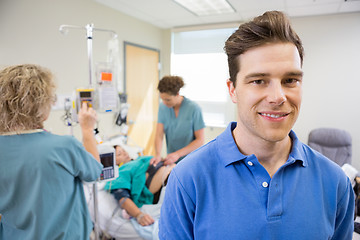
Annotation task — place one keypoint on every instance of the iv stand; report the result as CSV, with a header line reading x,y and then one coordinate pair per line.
x,y
89,36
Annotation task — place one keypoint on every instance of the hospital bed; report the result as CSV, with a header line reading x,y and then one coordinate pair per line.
x,y
112,221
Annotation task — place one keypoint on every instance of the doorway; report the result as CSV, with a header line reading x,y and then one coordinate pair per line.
x,y
141,75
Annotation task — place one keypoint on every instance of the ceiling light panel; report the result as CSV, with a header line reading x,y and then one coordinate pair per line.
x,y
206,7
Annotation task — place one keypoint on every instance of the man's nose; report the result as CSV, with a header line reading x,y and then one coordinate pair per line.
x,y
276,93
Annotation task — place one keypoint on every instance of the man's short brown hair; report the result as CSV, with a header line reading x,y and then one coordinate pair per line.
x,y
271,27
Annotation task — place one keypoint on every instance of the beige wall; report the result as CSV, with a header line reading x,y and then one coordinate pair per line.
x,y
29,34
331,78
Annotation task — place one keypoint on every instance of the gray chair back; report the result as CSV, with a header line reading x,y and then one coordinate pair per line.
x,y
336,144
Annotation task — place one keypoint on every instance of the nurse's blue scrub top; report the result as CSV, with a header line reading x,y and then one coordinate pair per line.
x,y
179,131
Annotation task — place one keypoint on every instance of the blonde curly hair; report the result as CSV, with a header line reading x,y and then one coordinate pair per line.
x,y
26,95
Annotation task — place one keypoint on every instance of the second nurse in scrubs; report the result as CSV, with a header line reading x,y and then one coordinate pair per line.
x,y
180,119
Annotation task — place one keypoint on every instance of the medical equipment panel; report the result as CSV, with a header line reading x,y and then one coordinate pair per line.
x,y
84,95
108,160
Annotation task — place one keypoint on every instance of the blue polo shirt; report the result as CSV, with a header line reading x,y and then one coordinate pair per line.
x,y
179,131
216,192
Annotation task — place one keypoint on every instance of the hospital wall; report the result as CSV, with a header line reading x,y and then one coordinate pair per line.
x,y
331,76
29,33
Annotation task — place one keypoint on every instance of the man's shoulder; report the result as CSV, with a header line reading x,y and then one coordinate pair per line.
x,y
323,164
314,156
201,158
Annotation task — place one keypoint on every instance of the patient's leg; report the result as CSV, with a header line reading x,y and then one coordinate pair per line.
x,y
160,177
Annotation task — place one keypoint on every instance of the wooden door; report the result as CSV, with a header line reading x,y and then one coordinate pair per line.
x,y
141,80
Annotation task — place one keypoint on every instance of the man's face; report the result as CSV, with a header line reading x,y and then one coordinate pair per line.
x,y
268,91
169,100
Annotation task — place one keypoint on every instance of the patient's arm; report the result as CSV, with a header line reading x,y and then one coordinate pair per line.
x,y
142,218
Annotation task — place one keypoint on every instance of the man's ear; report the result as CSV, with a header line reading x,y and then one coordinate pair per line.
x,y
232,91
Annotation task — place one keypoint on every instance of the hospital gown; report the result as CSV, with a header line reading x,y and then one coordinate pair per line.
x,y
132,177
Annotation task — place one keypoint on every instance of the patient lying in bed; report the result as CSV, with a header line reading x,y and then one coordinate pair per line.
x,y
137,183
119,223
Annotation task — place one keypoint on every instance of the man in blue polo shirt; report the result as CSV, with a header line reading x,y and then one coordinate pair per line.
x,y
257,180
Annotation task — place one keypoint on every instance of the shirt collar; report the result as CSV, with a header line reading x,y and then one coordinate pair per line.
x,y
229,152
297,151
21,132
227,148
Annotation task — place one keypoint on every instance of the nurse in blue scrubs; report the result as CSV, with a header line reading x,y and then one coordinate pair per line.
x,y
180,119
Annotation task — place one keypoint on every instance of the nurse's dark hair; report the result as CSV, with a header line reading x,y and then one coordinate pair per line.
x,y
26,95
271,27
170,85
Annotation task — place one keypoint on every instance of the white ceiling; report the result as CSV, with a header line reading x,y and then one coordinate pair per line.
x,y
168,14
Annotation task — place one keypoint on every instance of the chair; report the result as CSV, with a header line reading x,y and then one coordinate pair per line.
x,y
336,144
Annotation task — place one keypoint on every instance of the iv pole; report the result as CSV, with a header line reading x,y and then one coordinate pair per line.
x,y
89,36
64,29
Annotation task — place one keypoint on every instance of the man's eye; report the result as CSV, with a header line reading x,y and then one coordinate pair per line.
x,y
258,81
291,81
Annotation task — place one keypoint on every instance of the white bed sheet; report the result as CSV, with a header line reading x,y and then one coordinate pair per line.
x,y
111,221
